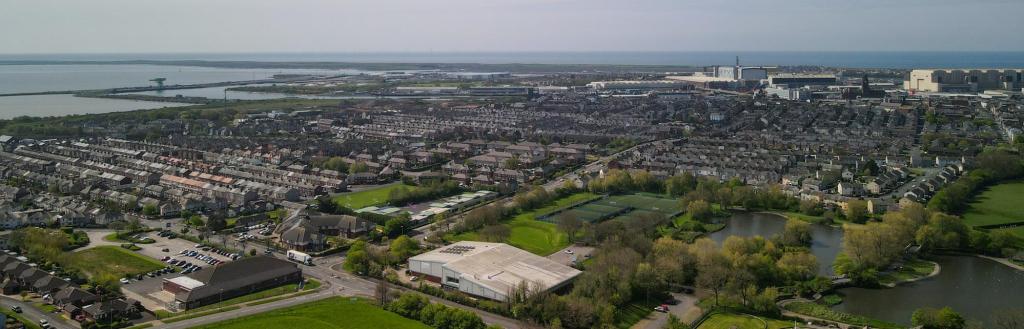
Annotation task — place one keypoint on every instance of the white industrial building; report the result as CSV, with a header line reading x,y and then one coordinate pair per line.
x,y
964,80
490,270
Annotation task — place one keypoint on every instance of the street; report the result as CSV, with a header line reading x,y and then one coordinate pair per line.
x,y
34,314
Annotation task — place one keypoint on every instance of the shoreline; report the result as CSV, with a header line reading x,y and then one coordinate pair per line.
x,y
935,271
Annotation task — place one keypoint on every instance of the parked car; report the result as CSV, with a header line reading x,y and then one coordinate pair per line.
x,y
16,309
662,308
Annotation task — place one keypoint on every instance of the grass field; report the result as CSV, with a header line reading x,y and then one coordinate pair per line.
x,y
112,260
740,321
528,233
331,313
366,198
999,204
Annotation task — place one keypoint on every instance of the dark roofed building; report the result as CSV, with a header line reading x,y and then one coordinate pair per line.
x,y
229,280
108,310
49,284
309,233
73,296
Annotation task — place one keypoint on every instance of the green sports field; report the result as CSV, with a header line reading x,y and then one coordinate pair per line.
x,y
528,233
998,205
366,198
331,313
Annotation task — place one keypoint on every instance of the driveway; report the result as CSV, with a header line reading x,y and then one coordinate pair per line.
x,y
686,310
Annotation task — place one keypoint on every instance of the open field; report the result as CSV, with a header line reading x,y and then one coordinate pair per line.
x,y
331,313
528,233
740,321
366,198
997,205
113,260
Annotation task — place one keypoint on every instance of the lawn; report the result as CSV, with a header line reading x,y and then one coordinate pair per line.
x,y
999,204
331,313
741,321
528,233
114,261
911,270
824,312
633,312
365,198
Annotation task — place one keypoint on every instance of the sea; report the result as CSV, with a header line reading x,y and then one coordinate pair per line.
x,y
20,73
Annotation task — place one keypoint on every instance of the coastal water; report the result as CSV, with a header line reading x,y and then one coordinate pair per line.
x,y
852,59
974,287
38,78
60,105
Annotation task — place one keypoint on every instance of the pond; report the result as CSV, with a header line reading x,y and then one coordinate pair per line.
x,y
975,287
828,240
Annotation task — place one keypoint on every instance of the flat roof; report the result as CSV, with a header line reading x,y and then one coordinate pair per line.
x,y
499,266
187,282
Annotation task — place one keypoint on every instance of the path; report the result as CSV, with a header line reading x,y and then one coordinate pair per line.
x,y
1003,261
807,318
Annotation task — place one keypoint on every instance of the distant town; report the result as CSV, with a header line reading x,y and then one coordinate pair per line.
x,y
727,196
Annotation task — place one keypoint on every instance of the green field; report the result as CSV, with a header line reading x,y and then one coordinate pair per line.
x,y
528,233
372,197
331,313
740,321
999,204
112,260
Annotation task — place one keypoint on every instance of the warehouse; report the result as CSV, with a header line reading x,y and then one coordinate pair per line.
x,y
229,280
490,270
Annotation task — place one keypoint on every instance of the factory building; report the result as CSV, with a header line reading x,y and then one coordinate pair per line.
x,y
638,85
964,80
490,270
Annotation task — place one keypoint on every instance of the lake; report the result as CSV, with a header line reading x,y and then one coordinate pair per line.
x,y
60,105
972,286
827,243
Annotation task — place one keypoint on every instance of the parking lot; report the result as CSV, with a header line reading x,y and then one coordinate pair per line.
x,y
173,246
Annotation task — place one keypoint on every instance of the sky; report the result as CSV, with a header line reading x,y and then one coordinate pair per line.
x,y
239,26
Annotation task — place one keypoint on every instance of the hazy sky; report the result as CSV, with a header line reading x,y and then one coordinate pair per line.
x,y
148,26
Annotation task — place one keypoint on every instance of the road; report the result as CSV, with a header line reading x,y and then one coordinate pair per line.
x,y
34,314
336,283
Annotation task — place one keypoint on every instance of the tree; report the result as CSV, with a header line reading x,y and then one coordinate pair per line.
x,y
796,234
150,210
699,210
196,221
811,207
944,318
398,225
871,168
357,260
857,211
402,248
570,224
495,233
358,167
714,277
217,222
